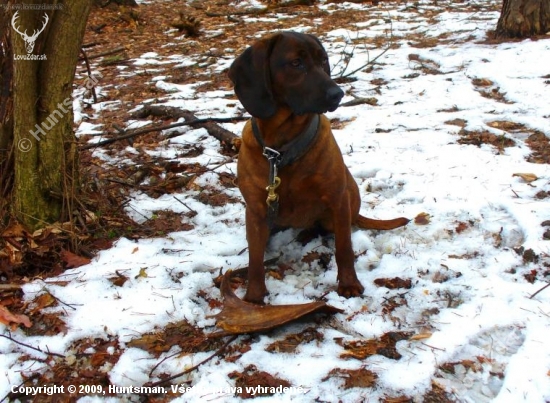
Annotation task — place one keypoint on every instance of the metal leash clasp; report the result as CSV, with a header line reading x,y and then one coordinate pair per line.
x,y
271,195
273,157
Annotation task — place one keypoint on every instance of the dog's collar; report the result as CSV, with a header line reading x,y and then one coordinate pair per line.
x,y
286,155
293,150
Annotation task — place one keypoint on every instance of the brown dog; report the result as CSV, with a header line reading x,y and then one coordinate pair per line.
x,y
290,169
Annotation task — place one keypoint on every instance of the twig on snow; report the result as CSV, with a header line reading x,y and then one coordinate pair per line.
x,y
194,367
32,347
542,289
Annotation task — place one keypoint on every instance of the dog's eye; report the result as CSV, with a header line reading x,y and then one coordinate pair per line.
x,y
296,63
325,61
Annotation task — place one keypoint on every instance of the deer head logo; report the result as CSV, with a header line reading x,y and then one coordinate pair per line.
x,y
29,40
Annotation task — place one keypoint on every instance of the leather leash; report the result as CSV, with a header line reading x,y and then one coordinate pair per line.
x,y
286,155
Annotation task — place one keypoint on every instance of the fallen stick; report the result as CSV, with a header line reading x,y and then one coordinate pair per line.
x,y
208,123
106,53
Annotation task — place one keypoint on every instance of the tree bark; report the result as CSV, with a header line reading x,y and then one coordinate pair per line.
x,y
523,18
44,144
6,112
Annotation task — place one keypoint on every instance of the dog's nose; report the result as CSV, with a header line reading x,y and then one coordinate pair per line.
x,y
334,95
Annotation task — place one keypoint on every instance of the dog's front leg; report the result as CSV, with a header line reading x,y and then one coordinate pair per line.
x,y
257,235
348,283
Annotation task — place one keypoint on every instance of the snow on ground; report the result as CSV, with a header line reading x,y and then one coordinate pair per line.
x,y
468,281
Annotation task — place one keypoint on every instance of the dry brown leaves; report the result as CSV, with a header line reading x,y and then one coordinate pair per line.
x,y
292,341
488,89
422,219
251,377
438,394
537,141
540,144
189,339
322,258
354,378
13,320
86,362
478,138
385,346
24,255
394,283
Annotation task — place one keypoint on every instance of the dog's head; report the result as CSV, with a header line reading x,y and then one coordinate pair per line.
x,y
287,68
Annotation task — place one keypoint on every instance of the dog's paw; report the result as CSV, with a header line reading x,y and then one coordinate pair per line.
x,y
255,295
354,289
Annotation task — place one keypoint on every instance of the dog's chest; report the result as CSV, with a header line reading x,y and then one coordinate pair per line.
x,y
300,203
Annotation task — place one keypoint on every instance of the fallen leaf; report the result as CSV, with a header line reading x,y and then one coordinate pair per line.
x,y
482,82
311,257
42,301
15,256
73,261
354,378
398,399
142,273
385,345
527,177
14,231
251,378
420,336
461,227
422,219
393,283
12,320
292,341
119,280
507,125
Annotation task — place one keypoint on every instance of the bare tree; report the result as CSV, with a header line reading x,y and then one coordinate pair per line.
x,y
523,18
38,153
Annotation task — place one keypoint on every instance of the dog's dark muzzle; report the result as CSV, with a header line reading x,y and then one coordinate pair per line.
x,y
333,97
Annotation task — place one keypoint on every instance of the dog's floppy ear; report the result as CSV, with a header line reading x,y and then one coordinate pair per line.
x,y
251,77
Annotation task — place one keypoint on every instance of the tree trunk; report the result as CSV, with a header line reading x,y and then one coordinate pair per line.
x,y
523,18
44,145
6,113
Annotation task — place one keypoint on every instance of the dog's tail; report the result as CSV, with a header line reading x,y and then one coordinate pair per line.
x,y
369,223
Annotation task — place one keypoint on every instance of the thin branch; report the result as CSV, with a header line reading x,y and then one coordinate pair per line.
x,y
185,205
371,62
87,62
32,347
161,128
59,301
218,352
542,289
107,53
161,361
254,11
9,287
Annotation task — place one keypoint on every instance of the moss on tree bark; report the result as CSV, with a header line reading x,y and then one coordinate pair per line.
x,y
44,144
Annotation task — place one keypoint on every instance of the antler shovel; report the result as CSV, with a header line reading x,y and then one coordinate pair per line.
x,y
238,316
